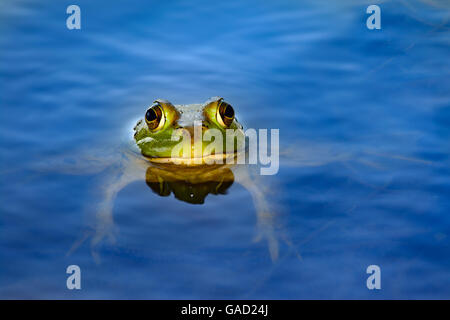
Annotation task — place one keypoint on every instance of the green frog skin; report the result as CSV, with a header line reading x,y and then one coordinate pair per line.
x,y
154,134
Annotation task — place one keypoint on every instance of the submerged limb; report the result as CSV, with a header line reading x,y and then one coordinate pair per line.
x,y
265,211
305,154
81,162
264,216
105,192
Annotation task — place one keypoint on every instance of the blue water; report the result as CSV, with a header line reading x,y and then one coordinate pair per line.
x,y
364,119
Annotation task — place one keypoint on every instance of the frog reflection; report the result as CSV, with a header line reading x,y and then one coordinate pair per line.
x,y
191,186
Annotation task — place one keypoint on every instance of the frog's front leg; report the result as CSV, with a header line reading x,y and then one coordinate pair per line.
x,y
265,213
113,180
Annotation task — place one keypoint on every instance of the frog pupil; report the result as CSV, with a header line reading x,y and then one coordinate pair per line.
x,y
229,112
150,115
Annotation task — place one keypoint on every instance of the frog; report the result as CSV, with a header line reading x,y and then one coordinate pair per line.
x,y
191,174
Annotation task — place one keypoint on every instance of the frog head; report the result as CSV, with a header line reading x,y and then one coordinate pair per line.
x,y
165,125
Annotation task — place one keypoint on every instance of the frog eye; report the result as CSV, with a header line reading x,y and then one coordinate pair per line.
x,y
225,114
154,117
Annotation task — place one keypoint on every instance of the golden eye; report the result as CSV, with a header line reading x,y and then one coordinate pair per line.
x,y
225,114
154,117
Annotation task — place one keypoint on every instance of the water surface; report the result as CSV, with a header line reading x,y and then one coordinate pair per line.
x,y
364,119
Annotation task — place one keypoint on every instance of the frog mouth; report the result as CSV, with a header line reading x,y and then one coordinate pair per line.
x,y
193,161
